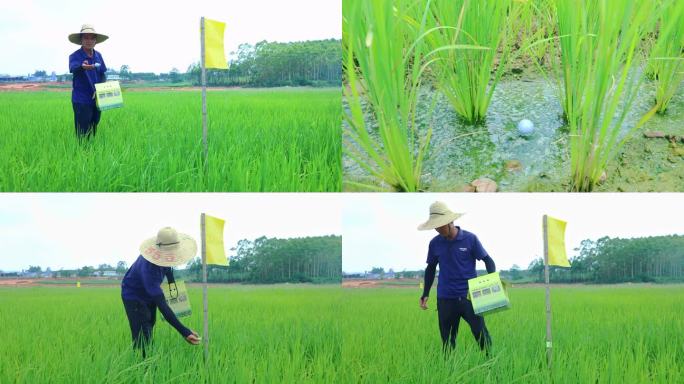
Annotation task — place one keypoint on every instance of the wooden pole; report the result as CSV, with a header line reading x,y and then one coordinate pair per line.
x,y
204,102
549,344
205,333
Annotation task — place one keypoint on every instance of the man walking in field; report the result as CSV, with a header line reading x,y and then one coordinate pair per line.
x,y
88,68
456,251
141,286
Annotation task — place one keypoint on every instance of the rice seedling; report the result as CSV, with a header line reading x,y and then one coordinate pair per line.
x,y
385,57
384,69
465,76
666,63
598,41
259,140
531,24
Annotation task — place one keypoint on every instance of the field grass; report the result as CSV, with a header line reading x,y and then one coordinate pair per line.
x,y
601,335
325,334
271,334
259,140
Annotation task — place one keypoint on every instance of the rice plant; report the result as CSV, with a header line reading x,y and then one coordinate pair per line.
x,y
384,70
259,140
598,41
385,58
600,335
531,25
468,77
270,334
666,63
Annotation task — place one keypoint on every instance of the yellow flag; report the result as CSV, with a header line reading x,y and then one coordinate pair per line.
x,y
214,54
556,232
213,227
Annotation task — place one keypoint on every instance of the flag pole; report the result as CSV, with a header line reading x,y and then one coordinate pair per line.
x,y
549,344
204,100
205,333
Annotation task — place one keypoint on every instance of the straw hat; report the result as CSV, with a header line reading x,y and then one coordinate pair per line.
x,y
169,248
440,215
87,28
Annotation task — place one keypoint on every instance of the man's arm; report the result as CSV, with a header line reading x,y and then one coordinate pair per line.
x,y
489,264
170,316
430,272
75,64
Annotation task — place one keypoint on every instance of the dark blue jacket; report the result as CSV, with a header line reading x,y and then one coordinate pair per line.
x,y
84,80
456,259
142,283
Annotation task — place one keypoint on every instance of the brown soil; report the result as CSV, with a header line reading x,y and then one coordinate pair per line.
x,y
359,283
16,282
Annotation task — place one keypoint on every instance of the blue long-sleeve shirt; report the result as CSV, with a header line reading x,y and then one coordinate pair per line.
x,y
84,80
456,259
142,283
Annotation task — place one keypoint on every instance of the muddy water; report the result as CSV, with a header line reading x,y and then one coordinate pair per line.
x,y
460,153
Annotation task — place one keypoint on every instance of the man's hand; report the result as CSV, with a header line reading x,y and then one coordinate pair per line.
x,y
423,302
87,66
193,338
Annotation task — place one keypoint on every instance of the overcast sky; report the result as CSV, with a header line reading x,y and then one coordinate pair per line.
x,y
152,36
380,229
72,230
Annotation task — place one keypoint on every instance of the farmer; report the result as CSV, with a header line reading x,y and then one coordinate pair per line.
x,y
455,250
140,287
88,68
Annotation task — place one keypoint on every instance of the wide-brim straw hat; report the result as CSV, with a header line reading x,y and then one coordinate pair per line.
x,y
440,215
87,28
169,248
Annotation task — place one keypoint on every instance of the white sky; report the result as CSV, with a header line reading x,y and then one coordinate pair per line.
x,y
379,230
153,35
72,230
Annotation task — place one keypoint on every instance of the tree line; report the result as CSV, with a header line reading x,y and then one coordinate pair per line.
x,y
603,261
271,260
618,260
272,64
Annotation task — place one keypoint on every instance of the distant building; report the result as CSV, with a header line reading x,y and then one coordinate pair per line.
x,y
108,273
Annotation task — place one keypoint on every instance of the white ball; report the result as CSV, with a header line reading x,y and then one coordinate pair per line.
x,y
525,127
97,65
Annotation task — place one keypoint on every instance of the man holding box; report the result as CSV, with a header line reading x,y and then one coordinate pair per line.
x,y
88,68
456,251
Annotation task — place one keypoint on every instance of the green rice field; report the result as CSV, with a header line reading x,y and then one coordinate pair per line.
x,y
259,140
257,335
302,334
600,335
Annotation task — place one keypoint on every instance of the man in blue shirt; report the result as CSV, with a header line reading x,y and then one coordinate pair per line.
x,y
456,251
88,68
141,286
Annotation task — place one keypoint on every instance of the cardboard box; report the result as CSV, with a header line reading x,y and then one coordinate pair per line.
x,y
108,95
176,296
488,294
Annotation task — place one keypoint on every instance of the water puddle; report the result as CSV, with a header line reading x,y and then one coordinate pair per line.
x,y
460,153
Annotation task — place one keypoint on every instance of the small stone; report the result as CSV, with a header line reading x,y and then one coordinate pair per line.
x,y
513,165
484,184
654,134
468,188
603,177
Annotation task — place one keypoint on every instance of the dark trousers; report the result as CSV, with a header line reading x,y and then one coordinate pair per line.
x,y
141,318
450,312
86,118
